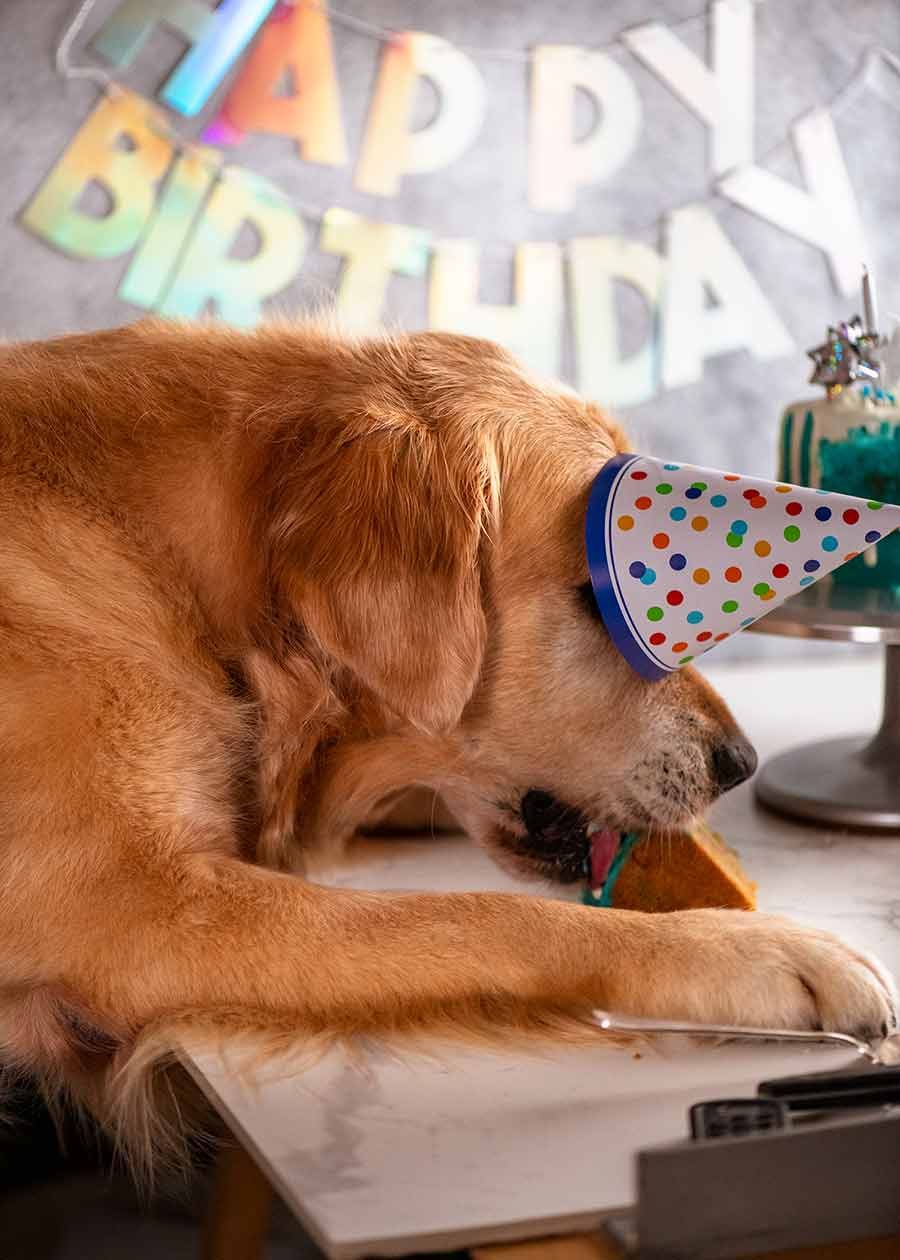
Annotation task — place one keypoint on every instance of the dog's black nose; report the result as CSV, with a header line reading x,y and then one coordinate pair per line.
x,y
733,762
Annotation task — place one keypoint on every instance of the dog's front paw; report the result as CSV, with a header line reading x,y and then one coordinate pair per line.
x,y
728,966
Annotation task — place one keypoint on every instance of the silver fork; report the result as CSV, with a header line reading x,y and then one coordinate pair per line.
x,y
886,1052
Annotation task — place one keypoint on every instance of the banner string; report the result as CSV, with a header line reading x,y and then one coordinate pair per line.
x,y
860,77
381,34
522,55
62,60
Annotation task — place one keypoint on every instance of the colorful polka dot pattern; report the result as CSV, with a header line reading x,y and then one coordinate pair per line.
x,y
695,555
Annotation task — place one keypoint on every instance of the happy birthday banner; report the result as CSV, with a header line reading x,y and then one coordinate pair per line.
x,y
178,208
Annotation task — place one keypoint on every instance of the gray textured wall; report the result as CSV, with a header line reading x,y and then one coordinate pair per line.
x,y
805,50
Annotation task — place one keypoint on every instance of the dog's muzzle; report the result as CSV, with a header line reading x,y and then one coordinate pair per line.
x,y
557,839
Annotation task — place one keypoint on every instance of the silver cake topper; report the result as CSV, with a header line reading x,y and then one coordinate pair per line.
x,y
847,354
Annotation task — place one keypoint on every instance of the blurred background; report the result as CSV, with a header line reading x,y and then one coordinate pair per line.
x,y
663,203
550,232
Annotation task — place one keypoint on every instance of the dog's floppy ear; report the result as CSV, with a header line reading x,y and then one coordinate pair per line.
x,y
382,522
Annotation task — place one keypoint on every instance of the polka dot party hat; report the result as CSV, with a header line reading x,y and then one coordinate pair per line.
x,y
683,557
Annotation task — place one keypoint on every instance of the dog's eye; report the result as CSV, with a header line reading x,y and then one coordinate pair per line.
x,y
585,594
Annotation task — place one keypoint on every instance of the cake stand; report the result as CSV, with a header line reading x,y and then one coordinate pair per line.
x,y
855,781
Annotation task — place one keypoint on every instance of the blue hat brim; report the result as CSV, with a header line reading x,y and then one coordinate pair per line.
x,y
603,578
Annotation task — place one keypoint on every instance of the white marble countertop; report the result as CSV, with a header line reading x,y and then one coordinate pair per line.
x,y
394,1154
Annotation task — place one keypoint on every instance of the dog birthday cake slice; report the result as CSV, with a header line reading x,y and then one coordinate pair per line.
x,y
849,440
686,870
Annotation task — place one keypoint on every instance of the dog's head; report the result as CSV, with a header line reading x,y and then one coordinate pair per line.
x,y
437,558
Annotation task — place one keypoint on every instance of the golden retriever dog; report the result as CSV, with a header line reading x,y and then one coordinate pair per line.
x,y
251,586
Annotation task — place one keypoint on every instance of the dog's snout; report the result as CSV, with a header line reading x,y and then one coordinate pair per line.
x,y
733,762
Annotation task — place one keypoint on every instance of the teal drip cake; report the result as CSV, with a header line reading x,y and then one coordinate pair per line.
x,y
867,464
849,442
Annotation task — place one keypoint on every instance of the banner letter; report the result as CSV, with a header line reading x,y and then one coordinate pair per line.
x,y
721,96
296,40
701,258
190,179
558,162
237,286
217,37
372,251
531,327
128,176
827,216
390,149
125,31
596,263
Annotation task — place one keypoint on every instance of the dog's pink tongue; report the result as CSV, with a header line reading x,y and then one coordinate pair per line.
x,y
603,849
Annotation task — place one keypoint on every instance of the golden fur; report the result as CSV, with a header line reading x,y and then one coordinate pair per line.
x,y
251,585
